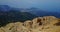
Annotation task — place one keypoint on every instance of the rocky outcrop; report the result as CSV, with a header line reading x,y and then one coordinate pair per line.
x,y
39,24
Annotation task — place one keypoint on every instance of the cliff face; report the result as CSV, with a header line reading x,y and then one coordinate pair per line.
x,y
39,24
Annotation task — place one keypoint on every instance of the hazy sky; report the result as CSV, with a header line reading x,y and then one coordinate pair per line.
x,y
51,5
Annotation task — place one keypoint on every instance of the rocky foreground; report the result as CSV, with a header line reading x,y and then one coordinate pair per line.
x,y
39,24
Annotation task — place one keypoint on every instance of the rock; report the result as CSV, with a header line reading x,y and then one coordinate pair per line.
x,y
39,24
28,24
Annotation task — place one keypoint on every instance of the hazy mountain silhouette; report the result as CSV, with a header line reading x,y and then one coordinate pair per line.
x,y
39,12
4,8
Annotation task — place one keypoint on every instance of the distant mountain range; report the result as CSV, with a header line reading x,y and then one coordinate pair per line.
x,y
4,8
45,13
33,10
40,13
9,14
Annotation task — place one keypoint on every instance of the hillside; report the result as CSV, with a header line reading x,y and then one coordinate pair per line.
x,y
39,24
14,16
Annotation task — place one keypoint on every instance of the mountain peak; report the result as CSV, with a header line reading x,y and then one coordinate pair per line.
x,y
4,8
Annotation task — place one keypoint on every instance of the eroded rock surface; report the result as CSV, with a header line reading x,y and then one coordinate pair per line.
x,y
39,24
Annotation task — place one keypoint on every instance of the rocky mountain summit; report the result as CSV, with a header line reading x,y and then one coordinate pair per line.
x,y
39,24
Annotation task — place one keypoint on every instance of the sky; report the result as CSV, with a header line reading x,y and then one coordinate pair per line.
x,y
47,5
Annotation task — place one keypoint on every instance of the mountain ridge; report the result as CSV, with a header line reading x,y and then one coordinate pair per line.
x,y
39,24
